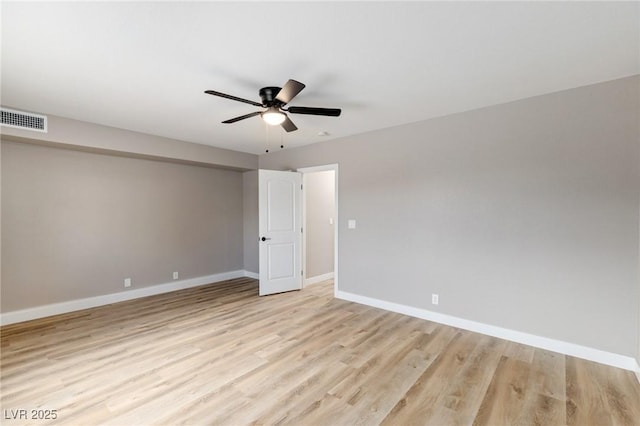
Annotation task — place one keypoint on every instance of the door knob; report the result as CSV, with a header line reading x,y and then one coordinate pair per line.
x,y
265,238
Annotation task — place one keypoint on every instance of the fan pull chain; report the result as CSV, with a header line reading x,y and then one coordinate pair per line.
x,y
266,142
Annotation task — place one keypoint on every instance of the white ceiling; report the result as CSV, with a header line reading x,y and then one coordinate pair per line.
x,y
145,66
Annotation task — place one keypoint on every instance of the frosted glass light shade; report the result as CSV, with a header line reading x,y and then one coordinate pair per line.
x,y
273,116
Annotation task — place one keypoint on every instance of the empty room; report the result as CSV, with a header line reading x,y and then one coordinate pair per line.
x,y
320,213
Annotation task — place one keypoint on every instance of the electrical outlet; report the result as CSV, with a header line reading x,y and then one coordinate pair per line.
x,y
127,282
175,275
435,299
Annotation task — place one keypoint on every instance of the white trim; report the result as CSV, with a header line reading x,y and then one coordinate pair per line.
x,y
566,348
638,371
305,229
254,275
91,302
315,169
318,278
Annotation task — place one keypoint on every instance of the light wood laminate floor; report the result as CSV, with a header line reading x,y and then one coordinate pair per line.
x,y
219,354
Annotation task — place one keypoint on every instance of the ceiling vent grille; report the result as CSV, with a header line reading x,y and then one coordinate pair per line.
x,y
24,120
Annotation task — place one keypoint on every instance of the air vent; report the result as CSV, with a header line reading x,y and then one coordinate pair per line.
x,y
24,120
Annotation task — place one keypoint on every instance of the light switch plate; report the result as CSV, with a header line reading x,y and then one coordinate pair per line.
x,y
351,224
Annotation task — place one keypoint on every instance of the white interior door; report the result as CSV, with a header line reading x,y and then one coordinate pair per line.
x,y
280,228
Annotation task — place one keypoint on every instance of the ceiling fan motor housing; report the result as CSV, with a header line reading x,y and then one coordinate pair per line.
x,y
268,96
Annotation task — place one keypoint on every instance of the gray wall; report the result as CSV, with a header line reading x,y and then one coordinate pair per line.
x,y
250,217
319,188
522,215
75,224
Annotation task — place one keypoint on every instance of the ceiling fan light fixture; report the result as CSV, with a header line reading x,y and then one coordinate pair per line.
x,y
273,117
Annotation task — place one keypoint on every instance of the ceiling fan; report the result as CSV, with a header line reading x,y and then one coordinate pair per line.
x,y
274,100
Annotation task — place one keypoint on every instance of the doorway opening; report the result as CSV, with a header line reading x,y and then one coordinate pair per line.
x,y
320,224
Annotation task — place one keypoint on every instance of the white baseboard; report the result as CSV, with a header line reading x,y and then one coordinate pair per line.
x,y
318,278
566,348
253,275
638,371
91,302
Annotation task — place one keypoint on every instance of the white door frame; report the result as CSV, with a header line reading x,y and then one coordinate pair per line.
x,y
314,169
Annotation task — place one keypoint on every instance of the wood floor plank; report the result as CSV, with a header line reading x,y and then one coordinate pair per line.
x,y
220,354
504,398
519,351
545,392
291,405
463,396
597,394
585,396
420,402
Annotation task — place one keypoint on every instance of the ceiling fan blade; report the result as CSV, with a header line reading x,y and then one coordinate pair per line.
x,y
331,112
289,91
288,125
242,117
233,98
